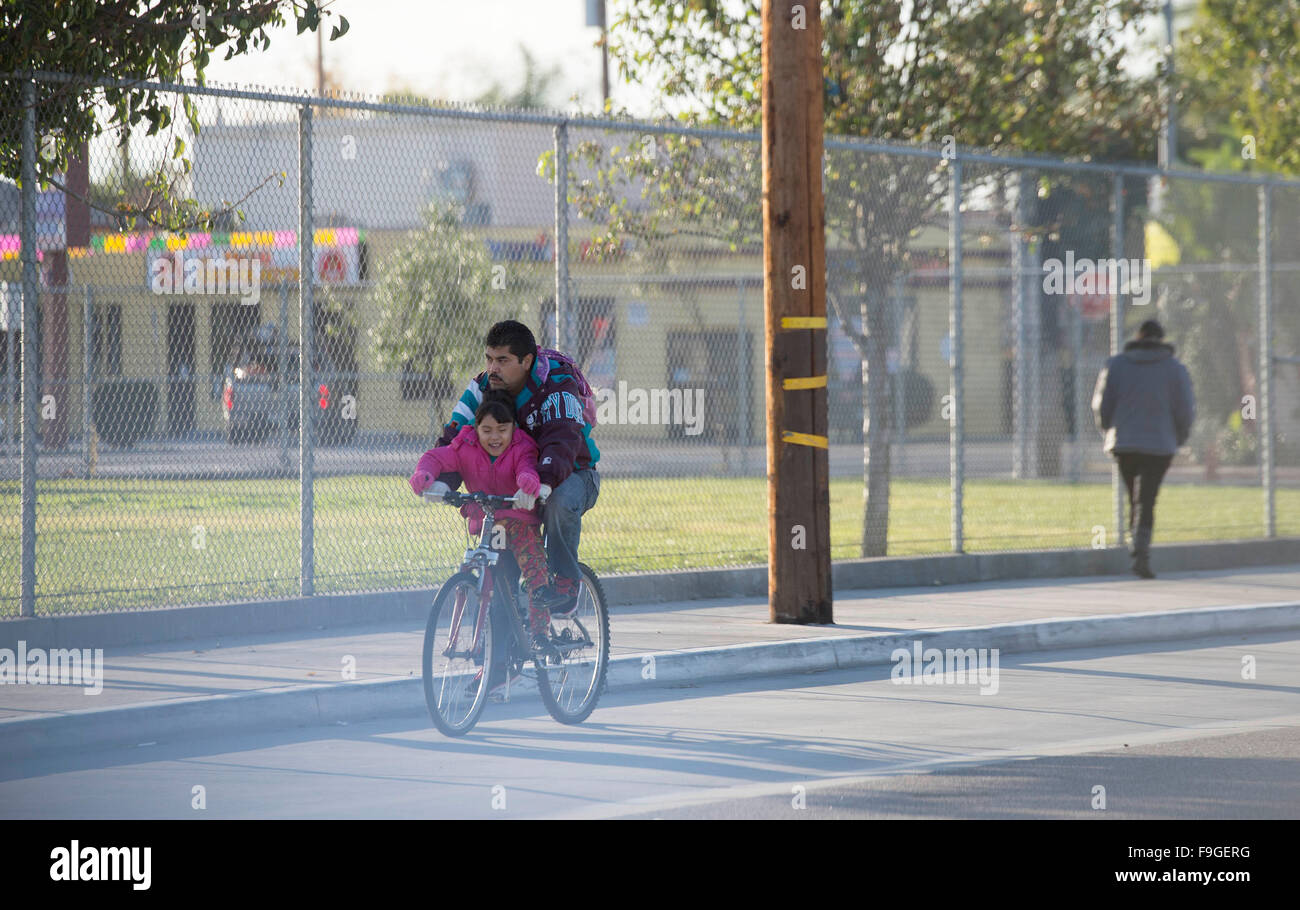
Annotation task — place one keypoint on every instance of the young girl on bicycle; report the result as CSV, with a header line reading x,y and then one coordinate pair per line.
x,y
492,457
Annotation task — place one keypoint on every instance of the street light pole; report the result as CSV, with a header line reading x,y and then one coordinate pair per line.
x,y
596,18
1168,154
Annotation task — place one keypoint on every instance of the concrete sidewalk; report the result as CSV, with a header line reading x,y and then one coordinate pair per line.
x,y
160,692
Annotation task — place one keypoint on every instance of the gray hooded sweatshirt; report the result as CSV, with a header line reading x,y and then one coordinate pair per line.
x,y
1143,400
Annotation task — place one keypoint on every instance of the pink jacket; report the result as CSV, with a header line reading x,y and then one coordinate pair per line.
x,y
514,469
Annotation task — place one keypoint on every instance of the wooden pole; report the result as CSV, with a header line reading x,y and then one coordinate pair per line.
x,y
794,294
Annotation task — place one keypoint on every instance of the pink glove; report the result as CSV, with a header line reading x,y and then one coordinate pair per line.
x,y
529,483
421,481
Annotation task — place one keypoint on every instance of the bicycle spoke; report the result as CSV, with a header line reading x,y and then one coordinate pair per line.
x,y
582,640
455,688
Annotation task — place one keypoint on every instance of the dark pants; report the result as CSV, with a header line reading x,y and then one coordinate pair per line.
x,y
1142,476
562,517
563,520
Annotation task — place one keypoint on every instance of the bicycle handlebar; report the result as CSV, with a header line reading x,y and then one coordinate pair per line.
x,y
456,498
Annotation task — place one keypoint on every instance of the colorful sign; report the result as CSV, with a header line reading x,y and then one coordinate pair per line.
x,y
336,256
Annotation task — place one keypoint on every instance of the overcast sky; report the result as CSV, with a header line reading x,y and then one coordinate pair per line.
x,y
450,50
454,50
447,49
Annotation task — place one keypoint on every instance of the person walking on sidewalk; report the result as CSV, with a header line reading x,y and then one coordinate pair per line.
x,y
1144,404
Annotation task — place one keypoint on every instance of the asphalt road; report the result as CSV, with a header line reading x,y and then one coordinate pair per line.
x,y
1241,776
1169,731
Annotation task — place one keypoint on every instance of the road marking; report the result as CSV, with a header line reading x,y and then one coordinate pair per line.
x,y
1109,742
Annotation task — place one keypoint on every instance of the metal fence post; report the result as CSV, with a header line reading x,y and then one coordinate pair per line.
x,y
1020,444
282,371
956,453
561,234
1267,466
742,378
1117,333
1079,401
306,378
1034,356
27,596
11,433
88,373
898,458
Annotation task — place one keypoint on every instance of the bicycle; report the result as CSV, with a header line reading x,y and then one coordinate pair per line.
x,y
571,662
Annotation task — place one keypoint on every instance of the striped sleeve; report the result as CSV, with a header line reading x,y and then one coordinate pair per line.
x,y
462,415
470,399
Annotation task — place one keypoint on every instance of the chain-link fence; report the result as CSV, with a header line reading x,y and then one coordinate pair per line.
x,y
192,444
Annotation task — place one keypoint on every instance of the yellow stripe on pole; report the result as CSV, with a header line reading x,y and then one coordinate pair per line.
x,y
803,322
804,439
804,382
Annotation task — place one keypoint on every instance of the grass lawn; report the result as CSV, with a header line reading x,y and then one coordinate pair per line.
x,y
116,544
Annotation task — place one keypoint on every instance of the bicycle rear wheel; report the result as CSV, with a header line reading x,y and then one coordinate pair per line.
x,y
455,672
571,679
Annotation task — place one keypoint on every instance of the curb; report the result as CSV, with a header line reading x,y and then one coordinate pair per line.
x,y
134,627
355,702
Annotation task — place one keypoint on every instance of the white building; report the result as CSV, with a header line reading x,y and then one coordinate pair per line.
x,y
378,171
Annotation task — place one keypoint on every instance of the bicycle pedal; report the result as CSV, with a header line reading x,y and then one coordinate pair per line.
x,y
548,650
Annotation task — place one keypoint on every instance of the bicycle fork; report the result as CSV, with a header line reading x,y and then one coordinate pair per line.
x,y
458,616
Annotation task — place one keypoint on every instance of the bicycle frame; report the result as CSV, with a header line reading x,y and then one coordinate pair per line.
x,y
550,651
485,560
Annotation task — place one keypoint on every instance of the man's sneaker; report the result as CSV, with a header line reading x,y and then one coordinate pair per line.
x,y
1142,566
552,600
566,591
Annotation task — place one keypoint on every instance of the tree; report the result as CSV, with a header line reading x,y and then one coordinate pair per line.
x,y
1237,68
438,293
146,41
1033,77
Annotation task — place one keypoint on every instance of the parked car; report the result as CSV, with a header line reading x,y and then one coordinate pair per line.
x,y
257,403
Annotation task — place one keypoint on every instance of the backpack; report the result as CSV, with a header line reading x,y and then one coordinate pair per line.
x,y
568,364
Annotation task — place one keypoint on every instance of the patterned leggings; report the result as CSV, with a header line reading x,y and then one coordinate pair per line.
x,y
525,541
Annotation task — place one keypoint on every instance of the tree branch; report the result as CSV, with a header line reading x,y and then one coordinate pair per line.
x,y
147,212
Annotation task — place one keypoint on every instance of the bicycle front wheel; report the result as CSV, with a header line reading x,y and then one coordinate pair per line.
x,y
572,677
455,671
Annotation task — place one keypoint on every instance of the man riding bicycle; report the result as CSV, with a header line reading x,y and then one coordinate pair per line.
x,y
549,405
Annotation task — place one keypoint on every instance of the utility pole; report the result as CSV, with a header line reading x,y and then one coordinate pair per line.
x,y
794,297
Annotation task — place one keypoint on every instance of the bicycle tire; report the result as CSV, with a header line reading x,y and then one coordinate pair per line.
x,y
576,714
439,698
